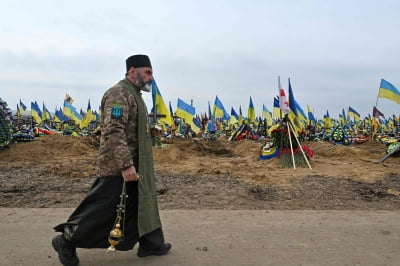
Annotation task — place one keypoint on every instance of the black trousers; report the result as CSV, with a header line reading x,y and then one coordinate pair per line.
x,y
91,222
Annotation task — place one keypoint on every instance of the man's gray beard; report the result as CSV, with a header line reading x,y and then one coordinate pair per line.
x,y
147,87
141,85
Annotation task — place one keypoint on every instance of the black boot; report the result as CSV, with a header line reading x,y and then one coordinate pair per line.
x,y
66,251
159,251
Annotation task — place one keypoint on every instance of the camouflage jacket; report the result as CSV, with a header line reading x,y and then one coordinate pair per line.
x,y
119,132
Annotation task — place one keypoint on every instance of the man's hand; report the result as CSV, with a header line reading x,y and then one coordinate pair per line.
x,y
129,174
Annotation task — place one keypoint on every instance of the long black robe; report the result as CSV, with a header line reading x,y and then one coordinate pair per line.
x,y
95,217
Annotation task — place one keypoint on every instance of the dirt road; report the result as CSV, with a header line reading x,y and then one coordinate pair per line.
x,y
217,237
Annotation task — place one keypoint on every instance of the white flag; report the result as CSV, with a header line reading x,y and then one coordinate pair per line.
x,y
283,101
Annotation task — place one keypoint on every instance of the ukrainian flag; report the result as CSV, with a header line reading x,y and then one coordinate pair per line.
x,y
36,113
251,113
196,125
388,91
58,116
46,114
18,112
22,109
219,110
234,116
342,118
353,113
160,107
88,117
300,113
328,120
267,115
311,116
294,112
187,112
71,112
276,110
22,106
89,113
295,106
240,120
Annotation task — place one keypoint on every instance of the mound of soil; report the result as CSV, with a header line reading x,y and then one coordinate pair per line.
x,y
57,171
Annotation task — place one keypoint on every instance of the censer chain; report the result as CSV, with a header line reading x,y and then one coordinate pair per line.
x,y
117,233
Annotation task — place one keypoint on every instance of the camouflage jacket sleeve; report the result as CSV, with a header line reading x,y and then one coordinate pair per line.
x,y
117,105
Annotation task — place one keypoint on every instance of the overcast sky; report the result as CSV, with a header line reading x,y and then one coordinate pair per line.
x,y
334,51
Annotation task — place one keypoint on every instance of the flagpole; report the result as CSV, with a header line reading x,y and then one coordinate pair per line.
x,y
291,145
301,148
377,97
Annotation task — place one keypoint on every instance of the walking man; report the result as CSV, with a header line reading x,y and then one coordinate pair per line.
x,y
125,156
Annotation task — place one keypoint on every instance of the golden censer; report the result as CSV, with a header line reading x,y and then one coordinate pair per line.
x,y
117,233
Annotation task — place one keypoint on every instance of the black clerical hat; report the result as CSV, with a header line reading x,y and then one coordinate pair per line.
x,y
136,61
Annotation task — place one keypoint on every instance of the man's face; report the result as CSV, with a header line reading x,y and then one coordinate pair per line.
x,y
144,77
145,73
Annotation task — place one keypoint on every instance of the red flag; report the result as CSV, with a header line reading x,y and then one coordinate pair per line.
x,y
283,101
377,113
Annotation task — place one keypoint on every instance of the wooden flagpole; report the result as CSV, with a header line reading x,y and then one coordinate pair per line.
x,y
298,142
291,145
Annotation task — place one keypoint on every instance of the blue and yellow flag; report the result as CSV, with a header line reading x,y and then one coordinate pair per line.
x,y
276,110
22,106
266,114
196,125
21,109
240,120
88,117
353,113
36,112
58,116
18,112
187,112
46,114
159,106
219,110
328,120
388,91
71,112
301,114
295,106
311,117
234,116
343,118
294,111
251,113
